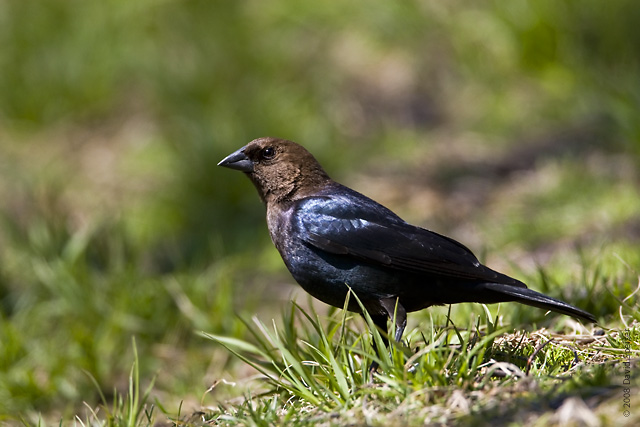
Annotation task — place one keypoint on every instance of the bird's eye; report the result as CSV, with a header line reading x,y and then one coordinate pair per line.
x,y
267,153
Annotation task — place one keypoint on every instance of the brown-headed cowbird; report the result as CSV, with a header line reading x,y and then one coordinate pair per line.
x,y
333,238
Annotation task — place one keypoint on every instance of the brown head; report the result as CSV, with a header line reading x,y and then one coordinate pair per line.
x,y
281,170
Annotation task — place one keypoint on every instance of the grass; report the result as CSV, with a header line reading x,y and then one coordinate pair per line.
x,y
506,362
128,409
315,370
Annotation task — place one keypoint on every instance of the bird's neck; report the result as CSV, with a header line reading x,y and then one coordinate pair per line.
x,y
293,186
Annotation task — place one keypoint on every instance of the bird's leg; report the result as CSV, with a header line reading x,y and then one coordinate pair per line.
x,y
397,313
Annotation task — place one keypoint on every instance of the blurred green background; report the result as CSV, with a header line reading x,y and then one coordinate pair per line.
x,y
512,126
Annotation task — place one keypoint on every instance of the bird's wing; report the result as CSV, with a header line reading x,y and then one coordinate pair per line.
x,y
369,231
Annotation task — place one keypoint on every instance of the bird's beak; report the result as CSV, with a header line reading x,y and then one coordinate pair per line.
x,y
237,160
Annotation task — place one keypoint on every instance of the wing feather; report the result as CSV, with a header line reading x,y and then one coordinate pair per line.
x,y
371,234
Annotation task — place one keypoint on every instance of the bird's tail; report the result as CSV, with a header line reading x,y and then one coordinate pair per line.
x,y
536,299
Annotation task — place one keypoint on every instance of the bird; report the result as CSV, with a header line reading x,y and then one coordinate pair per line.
x,y
333,239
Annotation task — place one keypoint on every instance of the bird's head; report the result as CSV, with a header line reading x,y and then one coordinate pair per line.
x,y
281,170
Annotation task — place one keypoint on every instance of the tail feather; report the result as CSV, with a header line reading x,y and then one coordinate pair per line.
x,y
536,299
